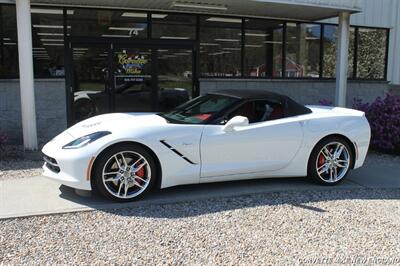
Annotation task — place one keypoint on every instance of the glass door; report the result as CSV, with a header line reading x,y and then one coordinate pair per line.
x,y
122,77
150,79
90,81
175,77
134,81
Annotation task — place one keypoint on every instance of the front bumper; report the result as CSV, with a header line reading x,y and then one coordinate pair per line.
x,y
68,167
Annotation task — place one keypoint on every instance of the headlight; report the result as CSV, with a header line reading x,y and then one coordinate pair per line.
x,y
85,140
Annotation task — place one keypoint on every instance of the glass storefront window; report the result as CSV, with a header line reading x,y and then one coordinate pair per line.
x,y
175,71
173,26
48,42
371,53
329,56
220,47
263,48
8,42
303,50
220,41
107,23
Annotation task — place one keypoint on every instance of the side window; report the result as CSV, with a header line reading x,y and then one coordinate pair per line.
x,y
257,111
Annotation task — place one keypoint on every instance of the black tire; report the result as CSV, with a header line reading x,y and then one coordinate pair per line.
x,y
315,162
107,156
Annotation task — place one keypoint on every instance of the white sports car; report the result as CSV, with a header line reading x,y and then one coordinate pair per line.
x,y
221,136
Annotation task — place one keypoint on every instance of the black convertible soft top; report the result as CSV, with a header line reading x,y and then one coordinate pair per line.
x,y
291,108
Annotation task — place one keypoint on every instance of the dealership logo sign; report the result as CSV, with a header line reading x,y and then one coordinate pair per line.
x,y
133,64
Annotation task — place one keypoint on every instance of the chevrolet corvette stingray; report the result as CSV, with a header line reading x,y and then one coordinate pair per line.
x,y
220,136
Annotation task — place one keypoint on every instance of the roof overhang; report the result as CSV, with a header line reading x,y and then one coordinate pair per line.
x,y
301,10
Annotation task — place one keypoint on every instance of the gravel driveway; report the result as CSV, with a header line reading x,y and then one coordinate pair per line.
x,y
361,225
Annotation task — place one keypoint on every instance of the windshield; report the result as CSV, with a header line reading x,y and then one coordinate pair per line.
x,y
200,109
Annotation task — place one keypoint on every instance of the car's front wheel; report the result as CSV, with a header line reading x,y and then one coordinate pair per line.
x,y
330,161
124,172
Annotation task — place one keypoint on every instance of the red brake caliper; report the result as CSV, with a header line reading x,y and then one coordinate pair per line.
x,y
321,160
140,173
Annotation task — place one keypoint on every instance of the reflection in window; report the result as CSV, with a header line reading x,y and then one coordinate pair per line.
x,y
276,45
8,42
220,47
371,53
175,71
107,23
263,48
303,50
329,57
173,26
48,42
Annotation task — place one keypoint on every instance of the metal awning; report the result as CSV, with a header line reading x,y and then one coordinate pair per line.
x,y
303,10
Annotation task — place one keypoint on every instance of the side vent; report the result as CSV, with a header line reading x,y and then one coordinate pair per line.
x,y
176,151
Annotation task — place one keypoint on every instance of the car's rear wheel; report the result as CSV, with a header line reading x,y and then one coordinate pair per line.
x,y
330,161
125,172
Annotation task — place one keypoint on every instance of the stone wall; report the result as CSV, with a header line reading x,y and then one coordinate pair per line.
x,y
303,91
50,103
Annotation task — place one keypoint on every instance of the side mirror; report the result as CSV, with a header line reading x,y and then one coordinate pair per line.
x,y
237,121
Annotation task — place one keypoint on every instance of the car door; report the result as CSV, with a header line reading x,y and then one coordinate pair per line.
x,y
259,147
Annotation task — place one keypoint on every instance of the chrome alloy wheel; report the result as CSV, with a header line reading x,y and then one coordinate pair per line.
x,y
333,162
126,174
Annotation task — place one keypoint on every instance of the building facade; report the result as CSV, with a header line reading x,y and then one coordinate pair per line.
x,y
64,61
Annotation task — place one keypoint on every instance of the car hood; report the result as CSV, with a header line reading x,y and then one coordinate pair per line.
x,y
115,122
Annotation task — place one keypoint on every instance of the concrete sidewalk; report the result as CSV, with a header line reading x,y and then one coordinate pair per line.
x,y
39,196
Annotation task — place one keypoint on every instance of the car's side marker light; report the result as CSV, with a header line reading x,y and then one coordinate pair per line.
x,y
89,169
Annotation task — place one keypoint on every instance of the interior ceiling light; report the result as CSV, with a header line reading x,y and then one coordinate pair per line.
x,y
49,34
6,39
125,28
10,43
231,49
52,40
227,40
255,34
115,35
53,44
198,5
174,37
273,42
209,44
50,11
50,26
158,15
253,45
227,20
142,15
134,15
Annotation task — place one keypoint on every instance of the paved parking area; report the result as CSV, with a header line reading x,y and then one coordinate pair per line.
x,y
38,195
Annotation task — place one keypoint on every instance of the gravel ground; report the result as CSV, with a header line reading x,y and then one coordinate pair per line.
x,y
15,163
338,226
20,168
